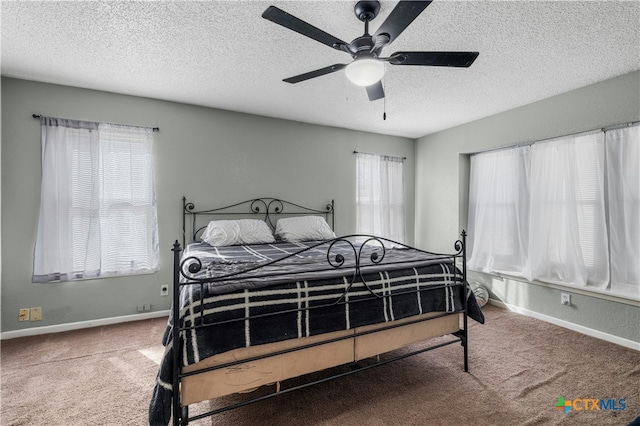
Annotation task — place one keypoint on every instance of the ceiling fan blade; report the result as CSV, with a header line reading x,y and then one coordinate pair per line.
x,y
400,17
281,17
375,91
434,59
316,73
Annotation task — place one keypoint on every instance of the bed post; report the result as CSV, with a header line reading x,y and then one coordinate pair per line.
x,y
333,216
465,334
177,249
184,207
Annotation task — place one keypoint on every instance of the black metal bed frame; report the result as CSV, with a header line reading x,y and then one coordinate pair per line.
x,y
269,208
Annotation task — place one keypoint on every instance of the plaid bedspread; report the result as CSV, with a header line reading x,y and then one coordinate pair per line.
x,y
299,290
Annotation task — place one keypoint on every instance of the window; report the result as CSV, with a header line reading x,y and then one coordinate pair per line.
x,y
380,196
98,213
623,177
567,211
563,211
499,210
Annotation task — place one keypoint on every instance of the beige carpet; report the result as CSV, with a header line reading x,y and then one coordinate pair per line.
x,y
518,368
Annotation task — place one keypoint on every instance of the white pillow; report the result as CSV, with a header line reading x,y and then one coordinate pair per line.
x,y
233,232
303,228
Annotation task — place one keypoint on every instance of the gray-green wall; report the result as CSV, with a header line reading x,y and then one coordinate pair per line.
x,y
442,185
213,157
220,156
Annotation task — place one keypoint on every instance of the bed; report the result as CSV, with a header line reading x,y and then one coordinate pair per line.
x,y
267,292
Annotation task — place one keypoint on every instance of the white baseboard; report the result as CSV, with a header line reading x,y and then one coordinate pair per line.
x,y
35,331
571,326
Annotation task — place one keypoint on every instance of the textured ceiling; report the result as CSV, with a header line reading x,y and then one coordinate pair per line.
x,y
224,55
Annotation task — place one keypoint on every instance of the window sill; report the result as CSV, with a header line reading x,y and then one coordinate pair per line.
x,y
104,276
626,298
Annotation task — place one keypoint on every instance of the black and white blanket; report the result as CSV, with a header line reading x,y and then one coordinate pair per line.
x,y
293,290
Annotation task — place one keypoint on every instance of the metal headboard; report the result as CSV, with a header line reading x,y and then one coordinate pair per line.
x,y
265,208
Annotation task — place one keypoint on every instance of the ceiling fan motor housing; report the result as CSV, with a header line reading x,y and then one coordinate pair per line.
x,y
361,45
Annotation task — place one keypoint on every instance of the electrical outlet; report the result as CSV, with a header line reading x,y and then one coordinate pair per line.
x,y
164,290
565,298
36,314
24,315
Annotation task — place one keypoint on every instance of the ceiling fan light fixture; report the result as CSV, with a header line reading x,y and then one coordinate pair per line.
x,y
365,72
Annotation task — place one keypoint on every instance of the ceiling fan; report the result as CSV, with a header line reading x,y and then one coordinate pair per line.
x,y
367,67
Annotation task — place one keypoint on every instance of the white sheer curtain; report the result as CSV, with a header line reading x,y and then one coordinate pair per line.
x,y
98,208
499,211
555,212
380,196
623,176
569,243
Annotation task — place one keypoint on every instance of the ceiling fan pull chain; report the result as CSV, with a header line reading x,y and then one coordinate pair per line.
x,y
346,89
384,108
